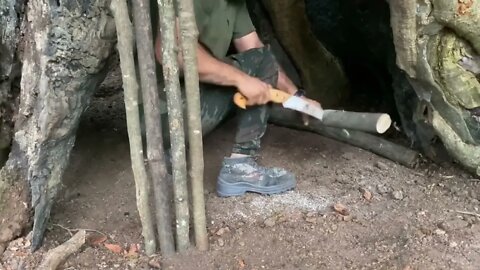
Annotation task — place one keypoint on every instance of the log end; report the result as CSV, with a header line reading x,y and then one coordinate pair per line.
x,y
383,124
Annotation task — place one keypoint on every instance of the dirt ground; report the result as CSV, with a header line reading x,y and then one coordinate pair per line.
x,y
398,218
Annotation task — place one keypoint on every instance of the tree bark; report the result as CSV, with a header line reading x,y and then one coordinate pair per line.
x,y
130,85
10,23
189,33
60,72
175,120
151,101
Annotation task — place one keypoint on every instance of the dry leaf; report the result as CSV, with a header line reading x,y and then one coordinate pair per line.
x,y
341,209
114,248
367,195
96,240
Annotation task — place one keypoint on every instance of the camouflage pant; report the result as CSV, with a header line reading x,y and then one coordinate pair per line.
x,y
216,101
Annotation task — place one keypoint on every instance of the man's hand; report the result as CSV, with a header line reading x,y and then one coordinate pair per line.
x,y
306,117
256,91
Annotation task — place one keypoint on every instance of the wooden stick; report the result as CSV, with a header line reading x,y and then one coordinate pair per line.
x,y
377,145
175,120
59,254
189,33
151,101
130,85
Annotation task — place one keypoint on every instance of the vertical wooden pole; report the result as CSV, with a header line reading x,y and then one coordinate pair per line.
x,y
130,85
175,119
151,101
189,34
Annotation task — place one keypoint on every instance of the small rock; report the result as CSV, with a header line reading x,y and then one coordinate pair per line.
x,y
440,232
311,214
221,242
381,165
347,218
367,195
311,219
222,231
241,243
154,263
341,209
27,244
383,189
348,156
453,225
453,244
270,222
397,195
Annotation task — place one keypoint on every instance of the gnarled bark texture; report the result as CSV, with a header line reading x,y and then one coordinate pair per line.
x,y
437,44
67,44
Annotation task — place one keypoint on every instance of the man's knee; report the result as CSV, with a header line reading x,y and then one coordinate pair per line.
x,y
260,63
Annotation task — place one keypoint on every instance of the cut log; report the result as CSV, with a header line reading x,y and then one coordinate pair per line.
x,y
368,122
65,54
58,255
130,85
151,101
377,145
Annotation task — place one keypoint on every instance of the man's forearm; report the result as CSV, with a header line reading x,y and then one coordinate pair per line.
x,y
252,41
214,71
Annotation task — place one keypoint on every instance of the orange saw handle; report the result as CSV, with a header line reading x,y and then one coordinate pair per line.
x,y
276,96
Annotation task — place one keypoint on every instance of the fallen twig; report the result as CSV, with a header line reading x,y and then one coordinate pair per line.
x,y
57,255
70,231
468,213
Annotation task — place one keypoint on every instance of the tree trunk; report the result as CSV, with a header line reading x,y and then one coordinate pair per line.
x,y
9,70
322,75
67,44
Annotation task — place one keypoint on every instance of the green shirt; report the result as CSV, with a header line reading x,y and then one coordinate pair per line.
x,y
221,21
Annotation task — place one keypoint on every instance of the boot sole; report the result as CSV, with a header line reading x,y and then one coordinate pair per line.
x,y
225,189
